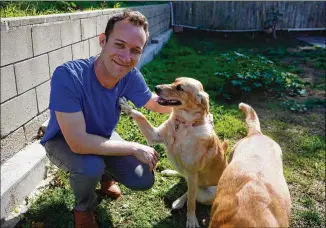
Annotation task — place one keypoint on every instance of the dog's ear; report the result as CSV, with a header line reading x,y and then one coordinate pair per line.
x,y
203,99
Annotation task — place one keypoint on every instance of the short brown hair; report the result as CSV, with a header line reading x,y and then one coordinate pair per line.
x,y
134,17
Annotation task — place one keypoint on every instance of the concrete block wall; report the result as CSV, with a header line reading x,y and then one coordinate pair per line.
x,y
31,49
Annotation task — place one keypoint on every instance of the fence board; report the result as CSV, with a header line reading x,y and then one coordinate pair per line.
x,y
246,15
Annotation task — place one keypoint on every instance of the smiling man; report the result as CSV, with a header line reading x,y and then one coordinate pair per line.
x,y
80,137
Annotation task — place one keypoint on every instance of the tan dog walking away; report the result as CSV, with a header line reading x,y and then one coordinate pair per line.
x,y
192,145
252,191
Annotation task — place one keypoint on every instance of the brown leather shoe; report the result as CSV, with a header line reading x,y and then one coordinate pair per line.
x,y
85,219
111,189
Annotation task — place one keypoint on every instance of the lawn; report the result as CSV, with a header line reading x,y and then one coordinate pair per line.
x,y
283,79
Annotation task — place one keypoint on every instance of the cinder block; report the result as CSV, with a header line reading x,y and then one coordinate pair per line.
x,y
45,125
94,13
46,37
80,50
22,21
20,175
147,56
32,127
56,18
152,49
142,10
8,83
4,25
88,28
78,15
43,95
16,45
58,57
84,14
94,46
12,144
151,22
101,22
70,32
31,73
108,11
18,111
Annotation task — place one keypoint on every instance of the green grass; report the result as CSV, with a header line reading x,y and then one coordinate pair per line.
x,y
301,137
34,8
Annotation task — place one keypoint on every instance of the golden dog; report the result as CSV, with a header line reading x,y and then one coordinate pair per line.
x,y
192,145
252,191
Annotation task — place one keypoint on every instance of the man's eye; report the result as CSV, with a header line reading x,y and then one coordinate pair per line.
x,y
136,52
119,45
179,88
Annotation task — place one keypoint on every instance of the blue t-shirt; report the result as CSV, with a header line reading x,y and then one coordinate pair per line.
x,y
75,87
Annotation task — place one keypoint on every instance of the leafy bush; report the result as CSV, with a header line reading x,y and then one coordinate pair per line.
x,y
294,106
246,74
302,107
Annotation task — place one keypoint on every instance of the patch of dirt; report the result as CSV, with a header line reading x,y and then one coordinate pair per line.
x,y
313,120
310,74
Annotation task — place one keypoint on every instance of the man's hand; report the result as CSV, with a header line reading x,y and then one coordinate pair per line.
x,y
146,155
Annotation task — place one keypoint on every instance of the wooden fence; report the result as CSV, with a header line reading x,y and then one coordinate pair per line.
x,y
245,15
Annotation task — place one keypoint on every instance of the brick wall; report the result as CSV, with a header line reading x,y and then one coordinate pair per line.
x,y
31,49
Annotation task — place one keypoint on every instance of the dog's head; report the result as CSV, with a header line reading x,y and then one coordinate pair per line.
x,y
185,93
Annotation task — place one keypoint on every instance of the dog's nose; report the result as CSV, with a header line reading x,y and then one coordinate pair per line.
x,y
157,90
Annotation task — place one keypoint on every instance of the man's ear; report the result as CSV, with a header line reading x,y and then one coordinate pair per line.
x,y
102,40
203,99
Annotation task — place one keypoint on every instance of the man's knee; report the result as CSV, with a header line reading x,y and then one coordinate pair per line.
x,y
90,166
141,183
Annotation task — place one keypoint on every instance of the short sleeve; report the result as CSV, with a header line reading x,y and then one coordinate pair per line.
x,y
138,92
63,94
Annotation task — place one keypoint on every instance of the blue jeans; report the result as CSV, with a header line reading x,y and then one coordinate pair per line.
x,y
87,170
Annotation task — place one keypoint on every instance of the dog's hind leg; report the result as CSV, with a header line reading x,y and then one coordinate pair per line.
x,y
180,202
206,195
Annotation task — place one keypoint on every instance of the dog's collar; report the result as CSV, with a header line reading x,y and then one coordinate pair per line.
x,y
189,123
195,123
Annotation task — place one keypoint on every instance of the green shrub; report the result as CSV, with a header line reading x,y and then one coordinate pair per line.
x,y
302,107
294,106
246,74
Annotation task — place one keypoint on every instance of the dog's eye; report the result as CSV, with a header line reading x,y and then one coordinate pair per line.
x,y
179,87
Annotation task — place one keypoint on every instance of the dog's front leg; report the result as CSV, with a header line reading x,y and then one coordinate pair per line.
x,y
151,134
192,181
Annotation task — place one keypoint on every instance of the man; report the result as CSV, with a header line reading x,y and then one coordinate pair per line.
x,y
80,137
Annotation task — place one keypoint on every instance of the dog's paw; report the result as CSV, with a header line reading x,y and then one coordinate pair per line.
x,y
124,106
192,221
170,173
179,203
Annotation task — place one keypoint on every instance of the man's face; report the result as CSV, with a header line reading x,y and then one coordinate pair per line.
x,y
122,51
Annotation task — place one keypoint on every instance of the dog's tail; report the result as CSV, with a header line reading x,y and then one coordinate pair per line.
x,y
251,119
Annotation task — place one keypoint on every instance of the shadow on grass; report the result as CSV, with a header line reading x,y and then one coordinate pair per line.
x,y
53,216
56,212
178,217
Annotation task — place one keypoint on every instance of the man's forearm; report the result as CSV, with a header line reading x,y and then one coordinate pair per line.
x,y
93,144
